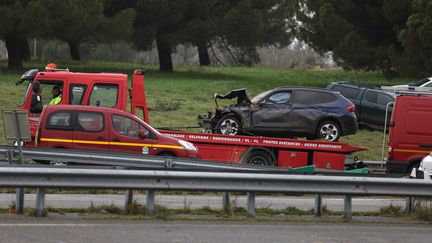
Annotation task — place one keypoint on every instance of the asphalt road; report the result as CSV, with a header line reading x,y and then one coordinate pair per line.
x,y
78,230
360,204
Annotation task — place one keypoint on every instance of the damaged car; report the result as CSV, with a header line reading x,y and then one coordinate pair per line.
x,y
283,112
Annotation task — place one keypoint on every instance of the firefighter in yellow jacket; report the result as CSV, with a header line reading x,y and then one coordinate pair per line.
x,y
57,95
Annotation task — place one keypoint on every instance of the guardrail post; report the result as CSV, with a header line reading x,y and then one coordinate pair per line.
x,y
129,198
225,200
318,205
10,155
347,207
19,200
150,203
251,205
40,202
409,204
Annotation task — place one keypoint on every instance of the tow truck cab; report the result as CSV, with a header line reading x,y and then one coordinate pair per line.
x,y
105,129
93,89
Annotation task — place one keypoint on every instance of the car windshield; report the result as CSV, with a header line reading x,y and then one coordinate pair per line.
x,y
260,96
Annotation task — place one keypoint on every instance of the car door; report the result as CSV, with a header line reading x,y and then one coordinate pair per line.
x,y
129,136
374,106
308,106
272,112
57,131
90,131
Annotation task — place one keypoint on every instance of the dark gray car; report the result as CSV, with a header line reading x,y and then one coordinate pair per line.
x,y
371,102
284,112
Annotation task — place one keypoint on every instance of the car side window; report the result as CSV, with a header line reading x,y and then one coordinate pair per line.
x,y
371,96
384,99
76,94
90,121
279,98
59,120
104,95
127,126
348,92
312,97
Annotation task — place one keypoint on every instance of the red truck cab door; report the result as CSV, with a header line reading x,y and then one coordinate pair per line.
x,y
90,131
130,136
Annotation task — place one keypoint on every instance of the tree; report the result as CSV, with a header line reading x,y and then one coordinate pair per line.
x,y
239,26
416,38
245,25
160,20
75,21
360,34
13,31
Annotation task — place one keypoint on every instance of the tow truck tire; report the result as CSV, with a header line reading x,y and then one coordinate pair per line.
x,y
258,157
329,131
228,125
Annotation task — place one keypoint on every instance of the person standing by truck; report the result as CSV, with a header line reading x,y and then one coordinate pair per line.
x,y
36,100
57,95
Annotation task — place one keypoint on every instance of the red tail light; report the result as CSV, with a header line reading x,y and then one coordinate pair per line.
x,y
351,108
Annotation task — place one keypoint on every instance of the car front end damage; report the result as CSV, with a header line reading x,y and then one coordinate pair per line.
x,y
209,121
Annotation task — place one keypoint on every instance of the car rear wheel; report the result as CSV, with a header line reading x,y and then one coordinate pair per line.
x,y
329,131
228,125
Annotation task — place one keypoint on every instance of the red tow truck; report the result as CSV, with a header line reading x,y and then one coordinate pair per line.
x,y
111,90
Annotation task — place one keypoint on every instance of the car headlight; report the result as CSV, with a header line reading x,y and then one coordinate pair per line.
x,y
187,145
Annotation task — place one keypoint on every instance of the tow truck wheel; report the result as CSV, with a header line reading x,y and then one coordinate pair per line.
x,y
329,131
228,125
258,157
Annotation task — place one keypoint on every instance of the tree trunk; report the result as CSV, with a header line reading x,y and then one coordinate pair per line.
x,y
25,49
13,47
164,51
74,50
204,58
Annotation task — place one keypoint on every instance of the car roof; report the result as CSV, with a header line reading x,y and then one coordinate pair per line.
x,y
358,85
302,88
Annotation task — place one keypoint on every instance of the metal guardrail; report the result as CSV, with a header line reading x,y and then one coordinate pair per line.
x,y
126,159
42,177
63,177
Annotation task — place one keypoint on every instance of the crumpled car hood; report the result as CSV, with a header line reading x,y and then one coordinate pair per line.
x,y
242,96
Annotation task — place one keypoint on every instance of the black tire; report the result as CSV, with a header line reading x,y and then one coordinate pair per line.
x,y
228,125
329,131
167,154
258,157
414,164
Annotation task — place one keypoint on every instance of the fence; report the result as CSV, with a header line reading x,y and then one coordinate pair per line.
x,y
42,177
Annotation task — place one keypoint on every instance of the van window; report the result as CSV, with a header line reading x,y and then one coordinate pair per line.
x,y
46,87
59,120
104,95
127,126
348,92
77,92
90,121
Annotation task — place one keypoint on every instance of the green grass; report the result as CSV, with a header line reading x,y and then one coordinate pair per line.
x,y
175,99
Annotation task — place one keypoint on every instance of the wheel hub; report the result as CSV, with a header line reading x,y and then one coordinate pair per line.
x,y
329,132
229,127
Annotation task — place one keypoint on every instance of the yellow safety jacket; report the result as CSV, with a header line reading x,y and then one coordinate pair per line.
x,y
56,100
